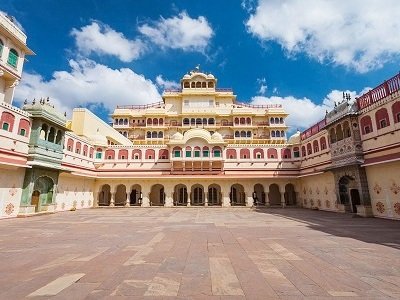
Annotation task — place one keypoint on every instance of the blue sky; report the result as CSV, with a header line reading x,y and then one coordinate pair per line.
x,y
303,54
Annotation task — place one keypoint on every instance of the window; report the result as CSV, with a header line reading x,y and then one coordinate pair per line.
x,y
383,123
84,153
296,152
22,132
177,153
197,153
188,153
258,155
136,156
5,126
367,129
98,155
13,58
398,117
205,153
122,157
217,153
69,148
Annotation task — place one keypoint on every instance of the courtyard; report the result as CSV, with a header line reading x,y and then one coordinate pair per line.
x,y
199,253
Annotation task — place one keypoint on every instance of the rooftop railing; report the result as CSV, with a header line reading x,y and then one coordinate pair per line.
x,y
259,106
143,106
313,130
383,90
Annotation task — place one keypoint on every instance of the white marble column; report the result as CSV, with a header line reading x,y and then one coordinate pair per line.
x,y
282,192
169,201
128,198
205,198
112,200
146,199
266,191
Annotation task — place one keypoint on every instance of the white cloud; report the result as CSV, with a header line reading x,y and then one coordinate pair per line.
x,y
166,84
263,86
303,112
103,40
358,34
89,83
179,32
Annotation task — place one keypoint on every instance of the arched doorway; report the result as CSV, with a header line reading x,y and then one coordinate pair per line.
x,y
259,194
43,192
237,195
348,194
214,195
35,200
180,195
157,195
135,197
274,195
120,195
290,195
105,195
197,195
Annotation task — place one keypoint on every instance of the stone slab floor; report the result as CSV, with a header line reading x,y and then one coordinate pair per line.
x,y
199,253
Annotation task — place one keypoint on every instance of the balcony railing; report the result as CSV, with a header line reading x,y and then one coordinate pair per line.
x,y
259,106
144,106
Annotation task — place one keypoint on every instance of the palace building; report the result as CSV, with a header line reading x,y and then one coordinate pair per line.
x,y
199,146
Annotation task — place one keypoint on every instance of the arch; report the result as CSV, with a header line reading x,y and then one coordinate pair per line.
x,y
237,195
188,151
44,188
210,84
339,132
70,144
286,153
274,195
135,196
123,154
149,121
120,195
91,152
193,85
259,194
157,195
243,133
186,121
180,195
296,152
303,151
248,134
110,154
23,127
7,121
52,134
277,133
198,121
137,154
231,153
125,121
396,111
177,152
198,84
216,151
155,121
204,84
59,137
163,154
204,121
154,135
382,118
272,153
258,153
78,146
272,120
332,135
149,154
13,58
346,130
192,121
276,120
120,122
282,133
211,121
244,154
186,85
322,142
273,133
160,135
99,153
366,124
148,134
105,195
281,121
214,195
290,195
236,121
315,146
248,120
309,149
160,122
242,121
237,134
197,151
197,196
85,150
206,151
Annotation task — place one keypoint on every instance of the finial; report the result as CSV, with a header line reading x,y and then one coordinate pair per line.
x,y
343,95
26,102
198,67
48,99
65,114
34,101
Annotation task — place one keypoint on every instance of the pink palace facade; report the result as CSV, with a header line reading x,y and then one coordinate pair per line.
x,y
199,146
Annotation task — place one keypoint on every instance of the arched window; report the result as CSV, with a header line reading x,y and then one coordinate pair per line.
x,y
203,84
177,152
193,85
188,151
248,134
198,121
150,154
154,135
231,153
281,120
210,84
366,124
77,146
296,152
204,121
110,154
276,120
216,152
211,121
192,121
125,121
85,150
244,153
91,152
282,133
123,154
149,121
163,154
13,58
160,134
346,130
120,122
315,146
160,122
396,111
186,121
322,142
272,121
309,149
148,135
52,135
137,154
23,127
272,153
237,134
155,121
332,135
286,154
303,151
273,133
242,121
382,118
7,121
99,153
236,121
198,84
70,144
248,121
277,133
186,85
197,151
206,151
258,153
339,132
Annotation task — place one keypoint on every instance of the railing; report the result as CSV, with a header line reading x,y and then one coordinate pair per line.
x,y
172,90
225,124
259,106
143,106
224,90
383,90
263,123
313,130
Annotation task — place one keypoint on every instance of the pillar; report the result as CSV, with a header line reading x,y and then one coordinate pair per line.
x,y
169,200
249,197
205,198
282,193
266,191
96,201
112,200
146,199
189,191
225,199
128,198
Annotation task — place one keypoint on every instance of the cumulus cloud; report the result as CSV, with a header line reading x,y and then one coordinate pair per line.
x,y
179,32
263,86
88,83
358,34
303,112
103,40
166,84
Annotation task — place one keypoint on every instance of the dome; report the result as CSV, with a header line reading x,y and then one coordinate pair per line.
x,y
295,138
177,136
98,140
216,136
186,76
211,76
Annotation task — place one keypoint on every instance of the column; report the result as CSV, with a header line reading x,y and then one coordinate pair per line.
x,y
189,192
128,198
112,199
146,199
96,201
282,192
205,198
266,191
169,202
249,198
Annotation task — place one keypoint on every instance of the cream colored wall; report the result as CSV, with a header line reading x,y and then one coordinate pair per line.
x,y
11,180
384,189
318,191
74,192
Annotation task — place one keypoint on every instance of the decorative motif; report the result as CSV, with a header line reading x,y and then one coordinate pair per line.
x,y
305,201
377,188
327,204
13,191
317,191
76,191
304,190
319,203
74,204
82,203
310,191
9,209
395,188
312,202
89,203
397,208
380,207
326,191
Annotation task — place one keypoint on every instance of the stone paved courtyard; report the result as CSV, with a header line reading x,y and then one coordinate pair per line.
x,y
199,253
